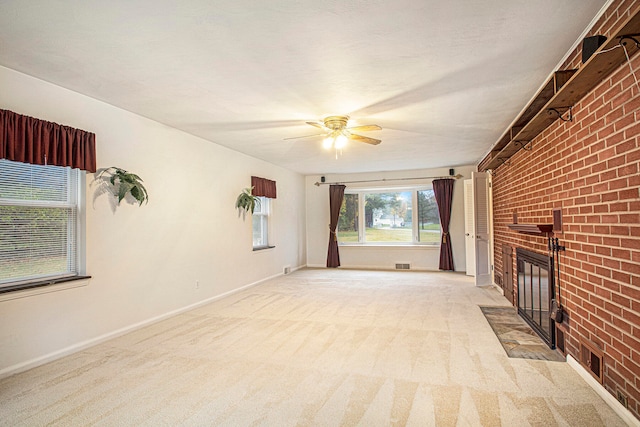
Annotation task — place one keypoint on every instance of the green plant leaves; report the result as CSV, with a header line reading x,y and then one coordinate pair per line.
x,y
247,201
125,183
123,189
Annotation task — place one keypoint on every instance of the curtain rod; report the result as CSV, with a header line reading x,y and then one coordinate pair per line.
x,y
388,179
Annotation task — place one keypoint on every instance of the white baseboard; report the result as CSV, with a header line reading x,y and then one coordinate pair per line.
x,y
32,363
298,268
498,288
617,407
385,268
373,267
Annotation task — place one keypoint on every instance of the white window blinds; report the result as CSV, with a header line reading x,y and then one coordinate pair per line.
x,y
260,219
38,222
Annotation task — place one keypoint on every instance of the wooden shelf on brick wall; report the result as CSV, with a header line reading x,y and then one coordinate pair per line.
x,y
561,92
535,229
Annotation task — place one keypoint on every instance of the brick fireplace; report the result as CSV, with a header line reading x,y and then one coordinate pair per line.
x,y
535,290
588,170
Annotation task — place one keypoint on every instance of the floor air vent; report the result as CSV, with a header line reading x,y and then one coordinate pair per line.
x,y
403,266
591,359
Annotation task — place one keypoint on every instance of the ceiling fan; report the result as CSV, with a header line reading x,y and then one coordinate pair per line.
x,y
337,133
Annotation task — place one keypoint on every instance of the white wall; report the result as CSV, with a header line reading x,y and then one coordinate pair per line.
x,y
145,261
382,257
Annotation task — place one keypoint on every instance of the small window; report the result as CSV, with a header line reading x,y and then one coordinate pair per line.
x,y
39,223
261,224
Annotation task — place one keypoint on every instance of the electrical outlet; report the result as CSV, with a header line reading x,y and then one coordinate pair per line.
x,y
197,284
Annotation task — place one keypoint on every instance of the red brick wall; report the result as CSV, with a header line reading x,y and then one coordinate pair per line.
x,y
590,169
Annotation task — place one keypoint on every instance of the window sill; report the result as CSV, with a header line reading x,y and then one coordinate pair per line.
x,y
42,287
262,248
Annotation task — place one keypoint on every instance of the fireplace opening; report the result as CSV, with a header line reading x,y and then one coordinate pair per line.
x,y
535,291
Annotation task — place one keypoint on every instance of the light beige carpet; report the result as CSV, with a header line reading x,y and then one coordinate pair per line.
x,y
314,348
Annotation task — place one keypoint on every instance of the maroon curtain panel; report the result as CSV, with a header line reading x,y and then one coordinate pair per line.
x,y
29,140
443,191
263,187
336,194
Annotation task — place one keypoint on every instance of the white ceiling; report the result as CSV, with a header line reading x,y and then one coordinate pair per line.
x,y
444,79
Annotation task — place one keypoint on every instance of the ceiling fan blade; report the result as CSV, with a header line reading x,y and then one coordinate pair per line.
x,y
366,139
305,136
238,126
318,125
365,128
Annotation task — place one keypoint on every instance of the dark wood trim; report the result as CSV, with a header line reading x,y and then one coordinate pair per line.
x,y
563,90
535,229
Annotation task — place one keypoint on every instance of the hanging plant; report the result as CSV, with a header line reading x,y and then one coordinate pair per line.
x,y
123,183
246,201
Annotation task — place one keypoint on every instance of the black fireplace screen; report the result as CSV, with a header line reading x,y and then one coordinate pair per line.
x,y
535,290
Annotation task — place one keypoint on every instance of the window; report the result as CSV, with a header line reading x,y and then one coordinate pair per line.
x,y
388,217
408,216
428,223
261,224
39,223
348,221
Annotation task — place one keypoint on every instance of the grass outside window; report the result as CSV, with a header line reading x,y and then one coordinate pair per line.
x,y
429,235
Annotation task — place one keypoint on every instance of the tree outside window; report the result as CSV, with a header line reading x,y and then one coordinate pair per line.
x,y
428,217
348,220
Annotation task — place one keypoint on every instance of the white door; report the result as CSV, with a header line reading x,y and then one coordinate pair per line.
x,y
482,228
469,228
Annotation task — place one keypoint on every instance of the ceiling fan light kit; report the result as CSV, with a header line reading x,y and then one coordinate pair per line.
x,y
336,139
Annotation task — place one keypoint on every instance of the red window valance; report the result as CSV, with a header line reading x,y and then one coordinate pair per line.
x,y
29,140
263,187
